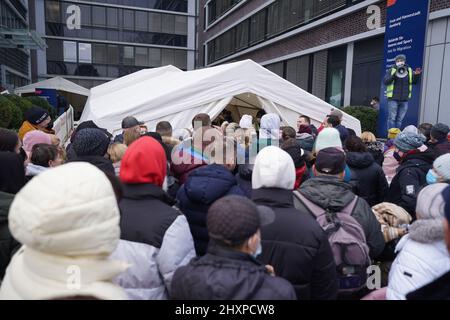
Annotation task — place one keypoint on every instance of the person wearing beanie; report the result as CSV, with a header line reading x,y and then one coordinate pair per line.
x,y
297,154
36,118
328,192
294,244
439,139
399,81
328,138
414,165
68,222
422,254
230,271
246,122
206,185
91,145
269,132
439,289
440,171
155,238
367,175
393,132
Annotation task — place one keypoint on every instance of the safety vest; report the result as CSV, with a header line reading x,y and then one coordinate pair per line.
x,y
390,88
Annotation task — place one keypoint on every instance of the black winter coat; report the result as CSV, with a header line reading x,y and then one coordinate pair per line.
x,y
297,247
371,183
223,274
204,186
334,194
436,290
410,179
8,245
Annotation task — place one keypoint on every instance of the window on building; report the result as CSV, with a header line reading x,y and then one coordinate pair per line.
x,y
85,15
297,72
84,52
113,54
112,17
154,55
142,57
181,59
99,14
180,25
242,34
168,23
141,20
55,50
128,19
336,76
70,51
258,27
128,56
53,11
154,22
99,53
217,8
167,57
277,68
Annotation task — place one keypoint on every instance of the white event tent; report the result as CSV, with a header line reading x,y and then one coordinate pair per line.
x,y
169,94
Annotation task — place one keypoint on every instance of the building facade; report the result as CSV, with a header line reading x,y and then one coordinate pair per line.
x,y
14,55
331,48
91,42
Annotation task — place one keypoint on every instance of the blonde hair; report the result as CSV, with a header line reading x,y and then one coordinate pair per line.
x,y
129,136
116,152
368,136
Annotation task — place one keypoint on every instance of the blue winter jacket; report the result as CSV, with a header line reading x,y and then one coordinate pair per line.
x,y
203,187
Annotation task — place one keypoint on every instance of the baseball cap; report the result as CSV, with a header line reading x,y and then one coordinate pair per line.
x,y
130,122
234,219
330,161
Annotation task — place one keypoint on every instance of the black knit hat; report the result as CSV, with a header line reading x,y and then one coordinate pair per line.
x,y
292,147
36,115
233,219
440,131
91,142
330,161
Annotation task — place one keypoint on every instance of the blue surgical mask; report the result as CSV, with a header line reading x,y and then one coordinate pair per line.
x,y
258,250
431,177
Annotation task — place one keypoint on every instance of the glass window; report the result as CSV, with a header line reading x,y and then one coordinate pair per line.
x,y
128,19
54,50
297,72
52,11
154,22
113,54
257,27
141,57
336,76
181,59
168,23
128,55
70,51
113,19
99,54
168,57
141,20
181,25
85,53
242,35
277,68
99,14
85,15
154,57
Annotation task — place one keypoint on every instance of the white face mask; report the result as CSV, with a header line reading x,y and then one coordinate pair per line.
x,y
399,64
258,250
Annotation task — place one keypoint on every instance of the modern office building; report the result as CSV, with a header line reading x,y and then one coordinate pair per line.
x,y
16,41
331,48
91,42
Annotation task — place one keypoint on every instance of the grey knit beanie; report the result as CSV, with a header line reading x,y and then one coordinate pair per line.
x,y
407,141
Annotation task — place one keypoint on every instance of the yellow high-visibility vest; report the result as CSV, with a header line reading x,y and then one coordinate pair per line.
x,y
390,88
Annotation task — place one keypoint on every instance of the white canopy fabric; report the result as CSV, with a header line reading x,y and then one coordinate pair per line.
x,y
170,94
57,83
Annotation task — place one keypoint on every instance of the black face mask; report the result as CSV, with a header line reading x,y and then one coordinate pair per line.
x,y
397,156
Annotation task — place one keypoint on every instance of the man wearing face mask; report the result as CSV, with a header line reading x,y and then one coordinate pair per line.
x,y
440,173
229,270
399,81
412,171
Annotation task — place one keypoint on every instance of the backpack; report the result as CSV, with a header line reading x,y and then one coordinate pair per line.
x,y
347,241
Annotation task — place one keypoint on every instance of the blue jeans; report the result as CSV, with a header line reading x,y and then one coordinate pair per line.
x,y
397,112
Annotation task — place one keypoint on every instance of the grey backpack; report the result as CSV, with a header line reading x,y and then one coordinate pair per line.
x,y
347,242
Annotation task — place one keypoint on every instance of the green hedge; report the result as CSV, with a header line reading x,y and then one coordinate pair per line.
x,y
6,112
22,103
368,117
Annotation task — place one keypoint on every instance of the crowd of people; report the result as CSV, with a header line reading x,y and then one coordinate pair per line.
x,y
226,210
